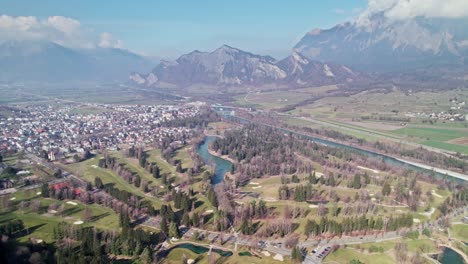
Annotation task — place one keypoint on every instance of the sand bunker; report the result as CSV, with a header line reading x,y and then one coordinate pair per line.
x,y
266,253
79,222
12,198
256,187
38,193
71,203
313,206
415,220
254,183
209,211
369,169
94,166
436,194
278,257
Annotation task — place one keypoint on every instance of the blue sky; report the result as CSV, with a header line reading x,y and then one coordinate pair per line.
x,y
170,28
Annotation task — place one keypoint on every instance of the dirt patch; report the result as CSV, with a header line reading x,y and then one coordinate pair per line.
x,y
459,141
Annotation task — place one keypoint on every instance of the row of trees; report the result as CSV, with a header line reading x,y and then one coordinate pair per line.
x,y
352,224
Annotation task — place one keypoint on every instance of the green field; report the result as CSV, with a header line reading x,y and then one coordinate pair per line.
x,y
360,251
460,231
344,255
40,224
88,170
435,137
434,134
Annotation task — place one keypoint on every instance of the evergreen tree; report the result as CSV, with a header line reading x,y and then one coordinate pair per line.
x,y
45,190
386,189
163,225
174,230
357,181
146,256
98,183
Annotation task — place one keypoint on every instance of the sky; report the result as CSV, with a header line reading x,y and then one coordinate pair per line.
x,y
170,28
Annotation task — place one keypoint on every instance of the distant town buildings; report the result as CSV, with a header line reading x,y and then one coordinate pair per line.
x,y
58,131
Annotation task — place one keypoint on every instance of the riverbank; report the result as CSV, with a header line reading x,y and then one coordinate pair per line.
x,y
224,157
336,143
438,170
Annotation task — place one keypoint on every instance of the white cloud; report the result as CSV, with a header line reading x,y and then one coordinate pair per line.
x,y
66,25
339,11
58,29
108,41
404,9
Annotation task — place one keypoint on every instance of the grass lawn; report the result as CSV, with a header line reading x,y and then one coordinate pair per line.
x,y
460,231
155,156
89,172
183,155
41,225
344,255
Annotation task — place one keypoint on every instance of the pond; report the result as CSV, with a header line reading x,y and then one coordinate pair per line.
x,y
448,256
220,165
198,250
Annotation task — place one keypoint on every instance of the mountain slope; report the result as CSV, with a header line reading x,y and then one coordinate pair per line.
x,y
50,62
228,66
384,44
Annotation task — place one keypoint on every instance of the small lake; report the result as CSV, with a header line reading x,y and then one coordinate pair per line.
x,y
449,256
199,250
221,166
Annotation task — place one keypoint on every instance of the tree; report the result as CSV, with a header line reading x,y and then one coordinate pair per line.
x,y
179,168
296,255
1,158
386,189
356,261
58,173
36,258
156,172
357,181
146,256
401,251
426,232
174,230
98,183
163,225
45,190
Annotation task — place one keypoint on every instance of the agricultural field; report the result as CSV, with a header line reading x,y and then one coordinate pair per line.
x,y
452,139
376,116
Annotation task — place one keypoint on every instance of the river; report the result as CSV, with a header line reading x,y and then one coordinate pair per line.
x,y
440,173
221,166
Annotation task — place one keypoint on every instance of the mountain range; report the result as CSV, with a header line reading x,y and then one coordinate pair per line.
x,y
383,44
228,66
414,48
51,62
